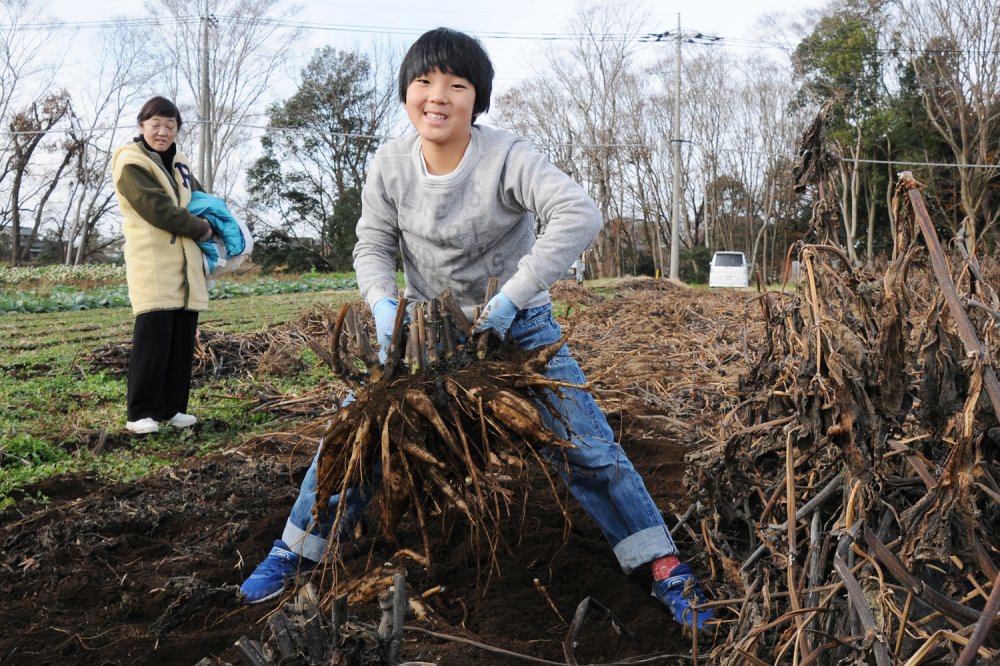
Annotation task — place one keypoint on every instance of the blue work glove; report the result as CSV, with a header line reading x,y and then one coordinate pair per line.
x,y
498,315
384,312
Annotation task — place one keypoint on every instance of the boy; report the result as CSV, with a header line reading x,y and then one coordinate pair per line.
x,y
458,202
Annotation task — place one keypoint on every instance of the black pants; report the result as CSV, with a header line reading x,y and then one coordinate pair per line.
x,y
159,370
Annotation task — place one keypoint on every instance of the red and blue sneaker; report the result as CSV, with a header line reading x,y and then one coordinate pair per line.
x,y
681,593
271,576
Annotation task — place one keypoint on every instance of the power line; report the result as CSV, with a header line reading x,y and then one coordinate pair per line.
x,y
64,130
531,36
851,159
49,26
932,164
688,37
355,135
707,40
761,43
284,23
489,34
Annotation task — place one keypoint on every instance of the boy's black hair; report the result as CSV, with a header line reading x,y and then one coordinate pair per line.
x,y
451,52
160,106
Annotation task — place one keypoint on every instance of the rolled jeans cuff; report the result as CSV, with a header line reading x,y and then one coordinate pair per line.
x,y
304,544
644,546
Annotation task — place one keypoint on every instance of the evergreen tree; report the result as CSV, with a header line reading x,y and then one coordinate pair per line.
x,y
316,151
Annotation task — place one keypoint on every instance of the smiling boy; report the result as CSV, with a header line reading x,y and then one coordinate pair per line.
x,y
459,203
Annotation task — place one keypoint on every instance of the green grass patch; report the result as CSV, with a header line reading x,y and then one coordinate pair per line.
x,y
61,416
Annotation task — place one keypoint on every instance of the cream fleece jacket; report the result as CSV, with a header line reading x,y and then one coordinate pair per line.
x,y
163,263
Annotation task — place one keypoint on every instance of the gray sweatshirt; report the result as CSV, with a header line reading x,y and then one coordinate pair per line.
x,y
456,231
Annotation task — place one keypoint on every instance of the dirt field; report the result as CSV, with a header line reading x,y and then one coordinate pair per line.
x,y
147,572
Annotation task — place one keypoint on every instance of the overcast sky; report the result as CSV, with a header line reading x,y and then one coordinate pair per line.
x,y
511,30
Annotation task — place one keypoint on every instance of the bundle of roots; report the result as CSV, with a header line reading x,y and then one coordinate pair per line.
x,y
446,426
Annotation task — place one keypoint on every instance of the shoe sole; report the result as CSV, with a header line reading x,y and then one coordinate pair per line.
x,y
267,598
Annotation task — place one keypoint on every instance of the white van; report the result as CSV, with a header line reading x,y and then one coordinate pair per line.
x,y
729,269
575,271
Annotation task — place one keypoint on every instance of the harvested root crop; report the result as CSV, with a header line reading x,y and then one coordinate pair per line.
x,y
447,426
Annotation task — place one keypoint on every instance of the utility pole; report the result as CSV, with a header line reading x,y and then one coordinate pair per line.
x,y
205,170
675,224
675,142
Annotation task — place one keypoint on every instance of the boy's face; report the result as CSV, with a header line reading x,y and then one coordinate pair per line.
x,y
440,107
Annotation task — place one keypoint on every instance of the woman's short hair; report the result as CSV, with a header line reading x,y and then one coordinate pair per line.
x,y
160,106
451,52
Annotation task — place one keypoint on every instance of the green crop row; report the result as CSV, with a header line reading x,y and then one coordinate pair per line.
x,y
68,299
61,274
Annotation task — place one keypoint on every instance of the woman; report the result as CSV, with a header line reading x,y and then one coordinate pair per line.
x,y
163,267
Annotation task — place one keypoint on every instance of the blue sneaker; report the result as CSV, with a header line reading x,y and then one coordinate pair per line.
x,y
271,576
679,593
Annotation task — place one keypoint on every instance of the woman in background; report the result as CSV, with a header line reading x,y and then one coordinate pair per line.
x,y
163,267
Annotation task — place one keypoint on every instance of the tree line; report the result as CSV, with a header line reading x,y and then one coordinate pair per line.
x,y
903,85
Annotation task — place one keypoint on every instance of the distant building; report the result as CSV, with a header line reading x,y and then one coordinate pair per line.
x,y
36,247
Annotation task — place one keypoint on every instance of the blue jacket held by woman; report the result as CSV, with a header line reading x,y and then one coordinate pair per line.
x,y
231,241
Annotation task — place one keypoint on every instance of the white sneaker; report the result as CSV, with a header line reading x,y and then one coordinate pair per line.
x,y
142,426
182,420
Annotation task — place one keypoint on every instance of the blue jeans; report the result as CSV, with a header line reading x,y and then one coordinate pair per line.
x,y
597,471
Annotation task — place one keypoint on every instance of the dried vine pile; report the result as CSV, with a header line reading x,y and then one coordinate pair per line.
x,y
446,426
220,353
663,360
851,514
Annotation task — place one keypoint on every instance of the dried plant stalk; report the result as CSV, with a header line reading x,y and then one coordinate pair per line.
x,y
867,421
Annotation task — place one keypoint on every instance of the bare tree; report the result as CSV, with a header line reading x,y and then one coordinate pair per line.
x,y
120,82
27,69
768,94
577,103
248,44
609,123
536,110
957,62
709,105
595,72
644,185
28,128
